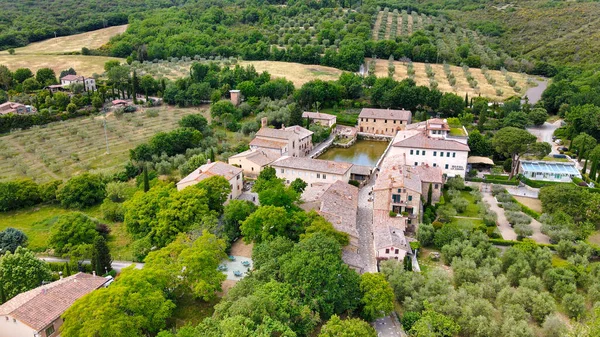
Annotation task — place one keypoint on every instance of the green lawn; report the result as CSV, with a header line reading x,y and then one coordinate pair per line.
x,y
344,117
36,222
457,132
190,311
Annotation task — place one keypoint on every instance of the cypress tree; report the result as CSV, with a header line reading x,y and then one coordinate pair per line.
x,y
429,195
134,85
101,259
146,181
212,155
584,166
66,271
593,170
466,100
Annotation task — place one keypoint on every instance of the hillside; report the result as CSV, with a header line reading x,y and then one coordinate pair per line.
x,y
63,149
72,43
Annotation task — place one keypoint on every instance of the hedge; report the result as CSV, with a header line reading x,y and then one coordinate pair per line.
x,y
539,184
510,243
494,181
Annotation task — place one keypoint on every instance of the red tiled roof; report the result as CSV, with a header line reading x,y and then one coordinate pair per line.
x,y
421,141
43,305
404,115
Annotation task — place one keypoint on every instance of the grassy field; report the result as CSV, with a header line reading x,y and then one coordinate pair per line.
x,y
36,222
62,149
73,43
462,86
86,65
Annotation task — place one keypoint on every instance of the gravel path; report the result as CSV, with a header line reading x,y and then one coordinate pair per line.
x,y
507,232
364,224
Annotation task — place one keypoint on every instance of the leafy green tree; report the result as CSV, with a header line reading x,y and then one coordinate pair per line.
x,y
451,105
148,85
71,231
46,76
434,324
480,145
18,194
135,304
61,100
447,234
266,223
22,74
183,211
11,239
266,178
221,108
584,118
81,191
141,211
318,224
197,122
517,119
583,143
217,189
108,65
351,327
314,267
538,116
31,85
235,212
22,271
6,77
514,142
119,77
191,265
574,305
298,185
101,260
377,296
295,114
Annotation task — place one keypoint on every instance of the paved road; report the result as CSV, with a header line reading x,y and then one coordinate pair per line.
x,y
117,265
535,94
388,327
364,224
544,133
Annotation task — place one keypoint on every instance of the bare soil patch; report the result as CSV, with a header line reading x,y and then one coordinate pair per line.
x,y
240,248
534,204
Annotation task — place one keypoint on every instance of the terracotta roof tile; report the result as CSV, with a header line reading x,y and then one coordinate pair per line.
x,y
43,305
212,169
309,164
421,141
404,115
317,115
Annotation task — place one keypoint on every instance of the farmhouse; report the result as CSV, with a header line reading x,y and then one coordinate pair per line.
x,y
234,176
294,141
310,170
549,171
383,121
428,143
38,312
253,161
89,83
339,205
15,108
326,120
400,188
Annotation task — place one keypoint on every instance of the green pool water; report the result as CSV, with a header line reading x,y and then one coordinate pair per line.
x,y
363,152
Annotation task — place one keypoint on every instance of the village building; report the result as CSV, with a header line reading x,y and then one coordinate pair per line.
x,y
294,141
15,108
322,119
549,170
389,240
38,312
339,206
312,171
89,83
253,162
400,188
234,176
429,143
384,122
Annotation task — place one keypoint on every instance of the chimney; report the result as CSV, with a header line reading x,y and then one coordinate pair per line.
x,y
208,162
263,122
94,272
236,97
60,275
282,126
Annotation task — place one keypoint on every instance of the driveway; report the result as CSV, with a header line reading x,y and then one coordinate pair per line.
x,y
388,327
535,94
544,133
364,225
116,265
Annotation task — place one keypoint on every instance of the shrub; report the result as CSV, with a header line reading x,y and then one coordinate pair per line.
x,y
497,189
457,183
490,219
393,214
112,211
515,218
354,183
81,191
460,204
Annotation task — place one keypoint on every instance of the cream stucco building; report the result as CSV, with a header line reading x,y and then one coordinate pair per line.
x,y
384,122
294,141
37,313
428,143
326,120
253,162
234,176
311,170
